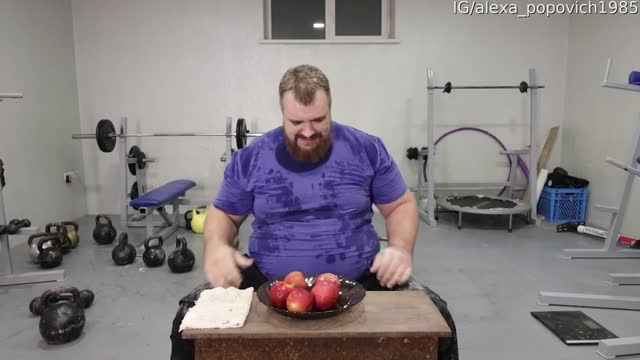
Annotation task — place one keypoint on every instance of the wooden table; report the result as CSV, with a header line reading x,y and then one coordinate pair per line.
x,y
385,325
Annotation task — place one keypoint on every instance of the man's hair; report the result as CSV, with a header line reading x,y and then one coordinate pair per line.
x,y
304,80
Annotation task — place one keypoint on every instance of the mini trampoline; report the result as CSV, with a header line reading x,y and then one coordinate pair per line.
x,y
483,204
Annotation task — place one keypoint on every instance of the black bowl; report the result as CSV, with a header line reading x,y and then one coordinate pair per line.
x,y
351,293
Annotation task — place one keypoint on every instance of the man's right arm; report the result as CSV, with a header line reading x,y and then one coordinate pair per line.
x,y
222,263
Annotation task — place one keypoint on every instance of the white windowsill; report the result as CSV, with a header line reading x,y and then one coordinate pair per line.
x,y
336,41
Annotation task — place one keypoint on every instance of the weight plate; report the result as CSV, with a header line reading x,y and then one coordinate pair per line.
x,y
241,133
105,132
134,193
134,152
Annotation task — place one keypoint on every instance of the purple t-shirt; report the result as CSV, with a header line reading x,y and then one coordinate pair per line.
x,y
311,217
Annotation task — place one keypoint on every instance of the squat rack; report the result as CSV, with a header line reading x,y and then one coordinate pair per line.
x,y
428,214
106,137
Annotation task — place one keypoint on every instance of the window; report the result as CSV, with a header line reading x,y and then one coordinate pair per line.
x,y
313,20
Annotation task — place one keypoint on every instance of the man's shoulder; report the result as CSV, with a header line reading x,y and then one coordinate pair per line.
x,y
266,141
351,134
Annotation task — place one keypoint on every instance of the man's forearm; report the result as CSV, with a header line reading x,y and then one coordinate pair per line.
x,y
402,226
219,229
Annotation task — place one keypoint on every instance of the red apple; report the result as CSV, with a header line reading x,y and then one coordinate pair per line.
x,y
296,279
325,295
328,277
299,300
278,294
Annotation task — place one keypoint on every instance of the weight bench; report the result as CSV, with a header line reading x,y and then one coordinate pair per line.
x,y
157,199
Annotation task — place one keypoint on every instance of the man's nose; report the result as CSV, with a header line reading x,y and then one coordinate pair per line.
x,y
307,130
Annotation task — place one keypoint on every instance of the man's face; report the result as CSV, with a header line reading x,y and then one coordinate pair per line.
x,y
307,129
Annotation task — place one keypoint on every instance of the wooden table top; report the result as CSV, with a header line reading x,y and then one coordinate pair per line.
x,y
381,313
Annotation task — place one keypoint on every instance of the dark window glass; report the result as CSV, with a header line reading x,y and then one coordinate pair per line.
x,y
295,19
358,17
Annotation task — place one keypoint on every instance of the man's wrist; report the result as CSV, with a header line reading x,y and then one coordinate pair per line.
x,y
216,243
403,248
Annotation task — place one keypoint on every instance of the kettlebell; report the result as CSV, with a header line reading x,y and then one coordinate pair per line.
x,y
33,246
65,243
15,225
123,253
72,232
51,256
104,233
181,259
197,221
153,254
61,321
188,217
86,299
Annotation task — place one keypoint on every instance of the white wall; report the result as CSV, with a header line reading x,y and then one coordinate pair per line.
x,y
173,66
37,59
601,122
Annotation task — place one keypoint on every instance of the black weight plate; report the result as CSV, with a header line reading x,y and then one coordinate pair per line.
x,y
241,133
134,193
134,152
105,132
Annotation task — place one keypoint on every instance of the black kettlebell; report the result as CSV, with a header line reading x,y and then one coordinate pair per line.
x,y
15,225
123,253
153,254
61,321
182,258
104,233
65,242
86,299
51,256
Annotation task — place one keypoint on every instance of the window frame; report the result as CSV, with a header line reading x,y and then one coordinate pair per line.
x,y
387,27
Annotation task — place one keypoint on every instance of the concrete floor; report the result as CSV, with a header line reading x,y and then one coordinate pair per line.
x,y
489,277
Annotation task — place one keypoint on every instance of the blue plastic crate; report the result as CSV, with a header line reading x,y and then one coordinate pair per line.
x,y
563,205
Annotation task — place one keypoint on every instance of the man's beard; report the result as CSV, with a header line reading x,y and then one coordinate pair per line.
x,y
315,154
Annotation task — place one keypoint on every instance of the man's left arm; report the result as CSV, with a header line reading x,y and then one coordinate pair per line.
x,y
394,265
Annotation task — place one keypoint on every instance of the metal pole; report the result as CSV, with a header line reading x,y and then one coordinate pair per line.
x,y
228,143
533,153
10,96
484,87
124,185
431,198
617,218
5,250
606,72
230,135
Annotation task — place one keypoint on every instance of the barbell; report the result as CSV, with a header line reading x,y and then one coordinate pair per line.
x,y
106,135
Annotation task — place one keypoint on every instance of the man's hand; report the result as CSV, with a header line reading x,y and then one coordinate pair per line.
x,y
222,264
392,266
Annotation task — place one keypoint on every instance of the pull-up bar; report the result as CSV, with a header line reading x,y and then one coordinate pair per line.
x,y
523,87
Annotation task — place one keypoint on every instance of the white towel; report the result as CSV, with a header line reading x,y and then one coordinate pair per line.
x,y
219,308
